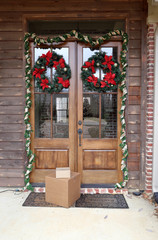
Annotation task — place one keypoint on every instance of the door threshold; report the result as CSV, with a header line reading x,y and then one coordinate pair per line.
x,y
99,185
82,185
88,189
38,185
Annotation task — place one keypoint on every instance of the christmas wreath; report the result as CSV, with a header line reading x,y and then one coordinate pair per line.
x,y
61,76
111,73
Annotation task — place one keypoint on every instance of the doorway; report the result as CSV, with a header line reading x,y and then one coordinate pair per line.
x,y
77,128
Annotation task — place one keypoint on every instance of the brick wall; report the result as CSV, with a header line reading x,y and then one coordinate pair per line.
x,y
150,108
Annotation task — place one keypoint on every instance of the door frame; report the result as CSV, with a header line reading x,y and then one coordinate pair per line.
x,y
76,83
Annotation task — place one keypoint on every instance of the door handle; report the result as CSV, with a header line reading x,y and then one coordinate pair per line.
x,y
79,133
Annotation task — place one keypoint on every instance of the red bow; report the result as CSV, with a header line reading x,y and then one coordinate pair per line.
x,y
108,61
37,72
90,65
44,83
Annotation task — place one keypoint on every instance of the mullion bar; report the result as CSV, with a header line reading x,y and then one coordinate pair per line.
x,y
102,93
100,115
51,115
115,93
51,79
100,108
51,70
49,93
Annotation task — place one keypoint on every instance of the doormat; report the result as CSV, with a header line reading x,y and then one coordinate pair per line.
x,y
101,201
85,201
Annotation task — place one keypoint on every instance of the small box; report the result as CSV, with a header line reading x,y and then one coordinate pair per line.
x,y
63,172
62,191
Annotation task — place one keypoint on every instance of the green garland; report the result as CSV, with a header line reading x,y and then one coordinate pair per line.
x,y
28,77
61,76
112,75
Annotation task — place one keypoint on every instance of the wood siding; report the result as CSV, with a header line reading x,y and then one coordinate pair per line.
x,y
11,101
12,86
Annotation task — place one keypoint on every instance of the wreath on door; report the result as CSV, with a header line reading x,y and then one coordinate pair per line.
x,y
60,78
111,75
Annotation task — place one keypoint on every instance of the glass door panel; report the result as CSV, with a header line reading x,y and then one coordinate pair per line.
x,y
51,110
60,116
91,116
42,116
38,53
87,53
109,116
64,51
99,109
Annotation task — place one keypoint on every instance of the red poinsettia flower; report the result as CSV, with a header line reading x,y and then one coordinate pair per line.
x,y
103,84
60,80
37,72
92,79
44,83
61,62
55,64
90,65
65,83
109,77
108,61
47,56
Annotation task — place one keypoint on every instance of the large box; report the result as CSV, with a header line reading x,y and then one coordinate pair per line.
x,y
62,191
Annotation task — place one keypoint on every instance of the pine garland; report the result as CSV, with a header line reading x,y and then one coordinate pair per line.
x,y
28,77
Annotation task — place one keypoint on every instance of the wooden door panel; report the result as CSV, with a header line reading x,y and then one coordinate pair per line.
x,y
99,159
48,143
51,158
99,176
100,144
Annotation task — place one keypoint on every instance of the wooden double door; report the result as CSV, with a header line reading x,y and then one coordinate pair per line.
x,y
77,128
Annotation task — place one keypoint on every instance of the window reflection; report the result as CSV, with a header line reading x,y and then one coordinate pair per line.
x,y
90,116
60,116
42,116
109,116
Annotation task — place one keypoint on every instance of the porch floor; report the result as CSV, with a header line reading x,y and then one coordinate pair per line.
x,y
33,223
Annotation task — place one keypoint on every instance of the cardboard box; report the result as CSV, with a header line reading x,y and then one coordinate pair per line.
x,y
63,172
62,191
